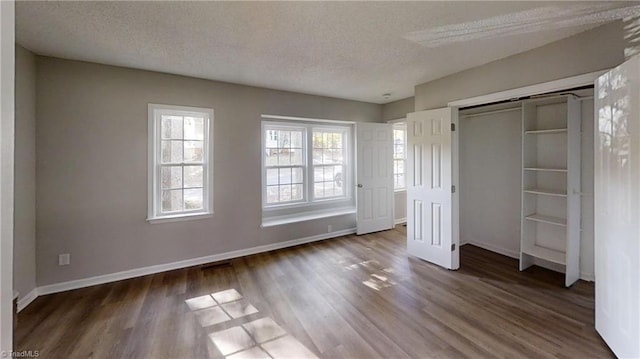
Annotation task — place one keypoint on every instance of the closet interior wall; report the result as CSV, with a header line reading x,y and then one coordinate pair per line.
x,y
490,164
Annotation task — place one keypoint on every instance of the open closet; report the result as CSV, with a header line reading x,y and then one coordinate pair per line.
x,y
523,166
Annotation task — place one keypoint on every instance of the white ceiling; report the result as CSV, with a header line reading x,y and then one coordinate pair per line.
x,y
351,50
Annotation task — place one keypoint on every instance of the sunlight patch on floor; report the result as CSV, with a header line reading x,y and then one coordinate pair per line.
x,y
261,338
379,277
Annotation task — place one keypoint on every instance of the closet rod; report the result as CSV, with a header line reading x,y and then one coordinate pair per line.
x,y
491,112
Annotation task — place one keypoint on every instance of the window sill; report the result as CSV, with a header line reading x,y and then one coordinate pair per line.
x,y
400,190
179,218
306,216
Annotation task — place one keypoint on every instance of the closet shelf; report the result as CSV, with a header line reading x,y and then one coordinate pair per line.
x,y
546,254
541,169
546,192
547,219
549,131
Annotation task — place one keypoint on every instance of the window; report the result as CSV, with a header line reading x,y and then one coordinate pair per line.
x,y
399,156
284,161
180,162
328,162
304,164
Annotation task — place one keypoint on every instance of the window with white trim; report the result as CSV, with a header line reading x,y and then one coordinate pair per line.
x,y
304,163
399,156
180,162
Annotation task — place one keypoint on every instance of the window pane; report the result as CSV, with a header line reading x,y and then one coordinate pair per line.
x,y
296,156
285,193
171,127
297,192
193,151
193,176
337,156
172,201
297,175
318,174
272,194
318,190
272,176
171,151
317,140
171,177
285,157
193,199
399,144
338,176
284,139
271,157
338,190
401,181
193,128
285,176
317,156
296,139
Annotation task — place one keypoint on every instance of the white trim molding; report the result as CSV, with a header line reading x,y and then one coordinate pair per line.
x,y
493,248
545,87
305,119
27,299
139,272
399,221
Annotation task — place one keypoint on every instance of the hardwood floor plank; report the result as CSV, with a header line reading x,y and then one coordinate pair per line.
x,y
347,297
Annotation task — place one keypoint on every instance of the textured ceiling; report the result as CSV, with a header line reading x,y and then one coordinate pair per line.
x,y
351,50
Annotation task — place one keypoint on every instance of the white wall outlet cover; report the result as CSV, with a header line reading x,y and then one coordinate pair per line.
x,y
64,259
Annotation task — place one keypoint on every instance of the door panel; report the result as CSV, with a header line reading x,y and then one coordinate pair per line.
x,y
374,154
430,210
617,211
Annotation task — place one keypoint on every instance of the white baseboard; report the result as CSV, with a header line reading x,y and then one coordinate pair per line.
x,y
399,221
27,299
589,277
138,272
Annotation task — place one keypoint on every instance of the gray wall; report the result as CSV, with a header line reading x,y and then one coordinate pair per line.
x,y
398,109
490,181
92,167
597,49
24,248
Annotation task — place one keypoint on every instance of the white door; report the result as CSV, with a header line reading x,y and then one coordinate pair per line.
x,y
430,206
374,157
617,211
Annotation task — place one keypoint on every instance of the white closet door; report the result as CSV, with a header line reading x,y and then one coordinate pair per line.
x,y
429,187
617,208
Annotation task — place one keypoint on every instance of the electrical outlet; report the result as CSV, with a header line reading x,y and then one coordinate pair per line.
x,y
329,228
64,259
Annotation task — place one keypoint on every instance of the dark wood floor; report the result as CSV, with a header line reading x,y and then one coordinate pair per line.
x,y
349,297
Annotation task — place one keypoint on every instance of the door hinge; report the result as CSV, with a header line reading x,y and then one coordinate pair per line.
x,y
453,189
453,127
453,247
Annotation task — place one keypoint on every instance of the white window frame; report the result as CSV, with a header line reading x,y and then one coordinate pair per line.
x,y
346,148
309,202
305,164
401,126
154,214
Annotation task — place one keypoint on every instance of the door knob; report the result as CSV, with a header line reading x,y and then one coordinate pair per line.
x,y
359,185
